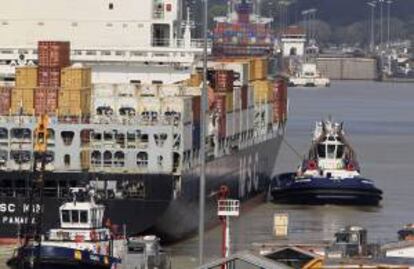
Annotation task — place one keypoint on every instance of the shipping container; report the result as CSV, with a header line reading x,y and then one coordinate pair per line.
x,y
196,103
22,101
263,91
229,102
177,108
48,77
196,135
244,97
237,99
5,99
53,54
220,107
258,69
26,77
46,100
75,102
223,80
76,77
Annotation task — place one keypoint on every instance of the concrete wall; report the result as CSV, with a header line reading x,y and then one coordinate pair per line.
x,y
348,68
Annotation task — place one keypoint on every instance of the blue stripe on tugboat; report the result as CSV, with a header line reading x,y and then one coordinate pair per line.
x,y
329,175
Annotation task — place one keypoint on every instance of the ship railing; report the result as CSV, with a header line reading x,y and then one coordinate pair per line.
x,y
168,50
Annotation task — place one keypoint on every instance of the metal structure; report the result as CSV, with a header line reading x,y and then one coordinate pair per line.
x,y
389,2
226,208
202,195
372,5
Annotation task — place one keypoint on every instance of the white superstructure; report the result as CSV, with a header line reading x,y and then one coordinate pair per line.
x,y
124,41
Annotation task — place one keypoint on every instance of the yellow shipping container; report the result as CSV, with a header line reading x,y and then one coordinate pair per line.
x,y
195,80
76,77
26,77
75,102
229,101
258,69
85,159
22,99
263,91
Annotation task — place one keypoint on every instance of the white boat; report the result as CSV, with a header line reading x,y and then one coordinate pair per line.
x,y
309,76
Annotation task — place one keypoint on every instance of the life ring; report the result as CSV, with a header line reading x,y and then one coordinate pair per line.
x,y
312,165
350,167
93,235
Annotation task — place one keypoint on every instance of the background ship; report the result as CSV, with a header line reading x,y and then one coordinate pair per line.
x,y
134,135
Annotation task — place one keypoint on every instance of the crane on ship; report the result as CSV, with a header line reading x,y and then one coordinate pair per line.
x,y
32,229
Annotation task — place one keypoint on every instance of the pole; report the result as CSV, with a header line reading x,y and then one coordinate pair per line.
x,y
203,120
381,22
372,42
388,22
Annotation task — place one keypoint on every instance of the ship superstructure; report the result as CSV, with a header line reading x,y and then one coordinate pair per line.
x,y
137,144
123,41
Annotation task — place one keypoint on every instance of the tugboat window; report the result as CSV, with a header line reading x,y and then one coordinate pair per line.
x,y
321,151
331,151
339,151
65,216
75,216
84,216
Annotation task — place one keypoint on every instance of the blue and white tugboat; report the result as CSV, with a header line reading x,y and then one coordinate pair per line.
x,y
81,241
329,175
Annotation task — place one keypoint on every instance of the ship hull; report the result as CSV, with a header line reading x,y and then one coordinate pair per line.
x,y
59,257
169,212
247,174
320,191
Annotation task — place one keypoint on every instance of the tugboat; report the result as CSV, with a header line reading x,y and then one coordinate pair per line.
x,y
330,174
81,241
309,76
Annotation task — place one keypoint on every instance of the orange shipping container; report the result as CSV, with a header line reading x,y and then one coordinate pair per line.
x,y
22,101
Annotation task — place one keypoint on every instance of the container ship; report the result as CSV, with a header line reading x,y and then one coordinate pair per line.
x,y
122,94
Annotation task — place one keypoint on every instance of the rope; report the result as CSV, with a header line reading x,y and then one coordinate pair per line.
x,y
300,157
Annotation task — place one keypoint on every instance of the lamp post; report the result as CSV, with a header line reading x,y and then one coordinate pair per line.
x,y
389,2
381,2
203,120
372,5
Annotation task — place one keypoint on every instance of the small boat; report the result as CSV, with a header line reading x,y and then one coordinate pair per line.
x,y
81,241
406,233
309,77
329,175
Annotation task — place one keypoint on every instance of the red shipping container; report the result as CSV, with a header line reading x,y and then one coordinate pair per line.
x,y
46,101
223,80
5,100
48,76
53,54
220,104
244,97
196,109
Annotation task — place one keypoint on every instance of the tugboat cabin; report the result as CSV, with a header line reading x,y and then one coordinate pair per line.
x,y
80,222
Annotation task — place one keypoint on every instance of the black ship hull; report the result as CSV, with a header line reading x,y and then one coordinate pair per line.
x,y
140,202
320,191
59,257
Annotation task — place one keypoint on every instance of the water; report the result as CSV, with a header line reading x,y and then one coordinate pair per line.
x,y
379,119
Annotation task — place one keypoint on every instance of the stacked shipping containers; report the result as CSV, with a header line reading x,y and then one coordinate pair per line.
x,y
280,100
22,97
53,56
76,92
5,99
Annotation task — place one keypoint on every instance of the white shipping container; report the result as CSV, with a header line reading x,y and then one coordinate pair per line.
x,y
103,90
169,90
237,98
148,104
192,91
236,122
187,136
181,105
229,124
